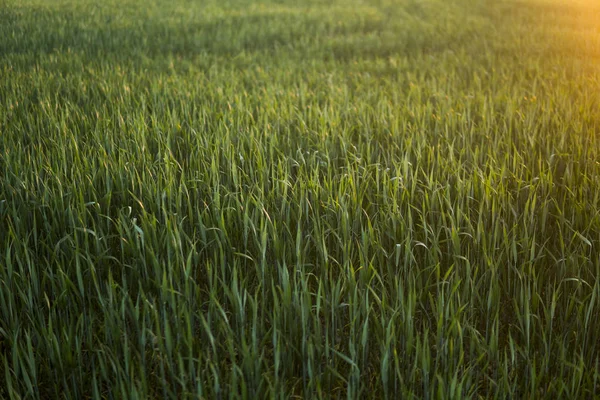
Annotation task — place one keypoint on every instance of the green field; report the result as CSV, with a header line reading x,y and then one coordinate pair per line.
x,y
299,198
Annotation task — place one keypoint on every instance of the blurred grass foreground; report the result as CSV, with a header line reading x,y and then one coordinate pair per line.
x,y
299,199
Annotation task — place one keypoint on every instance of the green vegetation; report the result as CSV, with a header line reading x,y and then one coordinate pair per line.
x,y
341,198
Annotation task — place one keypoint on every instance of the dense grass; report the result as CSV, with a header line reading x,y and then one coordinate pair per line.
x,y
344,198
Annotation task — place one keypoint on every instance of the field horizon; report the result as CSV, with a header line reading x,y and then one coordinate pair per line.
x,y
299,199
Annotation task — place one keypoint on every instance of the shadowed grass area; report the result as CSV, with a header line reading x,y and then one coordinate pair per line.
x,y
383,199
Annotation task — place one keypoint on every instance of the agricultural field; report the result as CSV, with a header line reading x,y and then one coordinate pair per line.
x,y
299,199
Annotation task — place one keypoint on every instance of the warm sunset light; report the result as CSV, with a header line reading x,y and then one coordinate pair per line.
x,y
299,199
